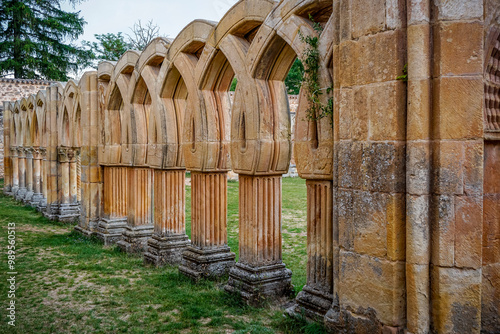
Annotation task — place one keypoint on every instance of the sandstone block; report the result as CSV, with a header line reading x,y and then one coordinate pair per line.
x,y
458,107
468,231
456,55
456,300
365,281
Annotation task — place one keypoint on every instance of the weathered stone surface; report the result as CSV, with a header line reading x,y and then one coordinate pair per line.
x,y
366,280
403,185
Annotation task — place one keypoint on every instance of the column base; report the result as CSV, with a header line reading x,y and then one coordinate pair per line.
x,y
20,193
110,230
314,303
166,250
37,197
135,238
68,213
7,190
14,190
51,211
83,231
206,263
42,205
27,198
255,284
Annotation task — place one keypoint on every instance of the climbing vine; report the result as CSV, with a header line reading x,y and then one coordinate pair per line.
x,y
311,60
404,76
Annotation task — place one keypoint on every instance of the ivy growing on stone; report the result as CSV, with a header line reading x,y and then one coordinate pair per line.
x,y
311,59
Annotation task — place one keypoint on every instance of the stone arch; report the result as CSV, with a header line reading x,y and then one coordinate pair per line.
x,y
181,97
144,99
69,104
41,114
492,80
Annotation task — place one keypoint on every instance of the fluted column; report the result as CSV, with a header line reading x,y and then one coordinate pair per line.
x,y
260,271
140,212
115,189
29,175
169,238
15,170
317,295
208,255
37,179
21,157
42,204
68,210
73,175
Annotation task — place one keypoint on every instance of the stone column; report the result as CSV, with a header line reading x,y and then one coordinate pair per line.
x,y
68,211
114,221
21,154
260,271
37,178
169,238
140,212
29,175
15,171
42,204
208,255
73,176
317,295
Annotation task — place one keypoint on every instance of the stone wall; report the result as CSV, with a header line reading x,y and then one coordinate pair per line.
x,y
13,90
402,180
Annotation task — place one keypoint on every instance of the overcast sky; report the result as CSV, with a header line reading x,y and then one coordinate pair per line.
x,y
113,16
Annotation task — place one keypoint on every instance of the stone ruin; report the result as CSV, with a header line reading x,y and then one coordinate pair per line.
x,y
403,188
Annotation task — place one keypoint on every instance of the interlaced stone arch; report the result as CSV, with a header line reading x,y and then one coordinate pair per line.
x,y
394,155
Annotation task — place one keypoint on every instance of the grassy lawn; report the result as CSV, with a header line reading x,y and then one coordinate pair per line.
x,y
69,284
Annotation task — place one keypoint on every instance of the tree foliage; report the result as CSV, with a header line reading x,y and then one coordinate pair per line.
x,y
294,78
108,46
36,40
111,46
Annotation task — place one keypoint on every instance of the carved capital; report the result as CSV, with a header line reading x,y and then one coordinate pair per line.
x,y
37,153
29,152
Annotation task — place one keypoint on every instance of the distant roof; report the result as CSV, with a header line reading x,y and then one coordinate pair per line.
x,y
27,81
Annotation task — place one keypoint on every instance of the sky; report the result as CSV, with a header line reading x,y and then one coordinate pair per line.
x,y
113,16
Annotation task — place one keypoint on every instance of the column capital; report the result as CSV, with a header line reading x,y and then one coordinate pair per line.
x,y
13,151
65,153
21,153
37,153
29,152
43,151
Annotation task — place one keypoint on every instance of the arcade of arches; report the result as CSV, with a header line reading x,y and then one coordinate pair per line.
x,y
403,183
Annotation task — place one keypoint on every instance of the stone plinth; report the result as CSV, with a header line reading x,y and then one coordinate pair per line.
x,y
260,273
208,256
139,207
112,226
317,295
169,239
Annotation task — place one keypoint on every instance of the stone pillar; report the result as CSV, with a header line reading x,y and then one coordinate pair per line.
x,y
140,212
21,154
208,255
317,295
29,175
42,204
15,171
37,178
114,221
73,176
68,210
169,238
260,271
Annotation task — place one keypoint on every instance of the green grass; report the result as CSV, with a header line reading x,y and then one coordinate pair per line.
x,y
70,284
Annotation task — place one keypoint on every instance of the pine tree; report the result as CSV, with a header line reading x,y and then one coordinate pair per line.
x,y
35,40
